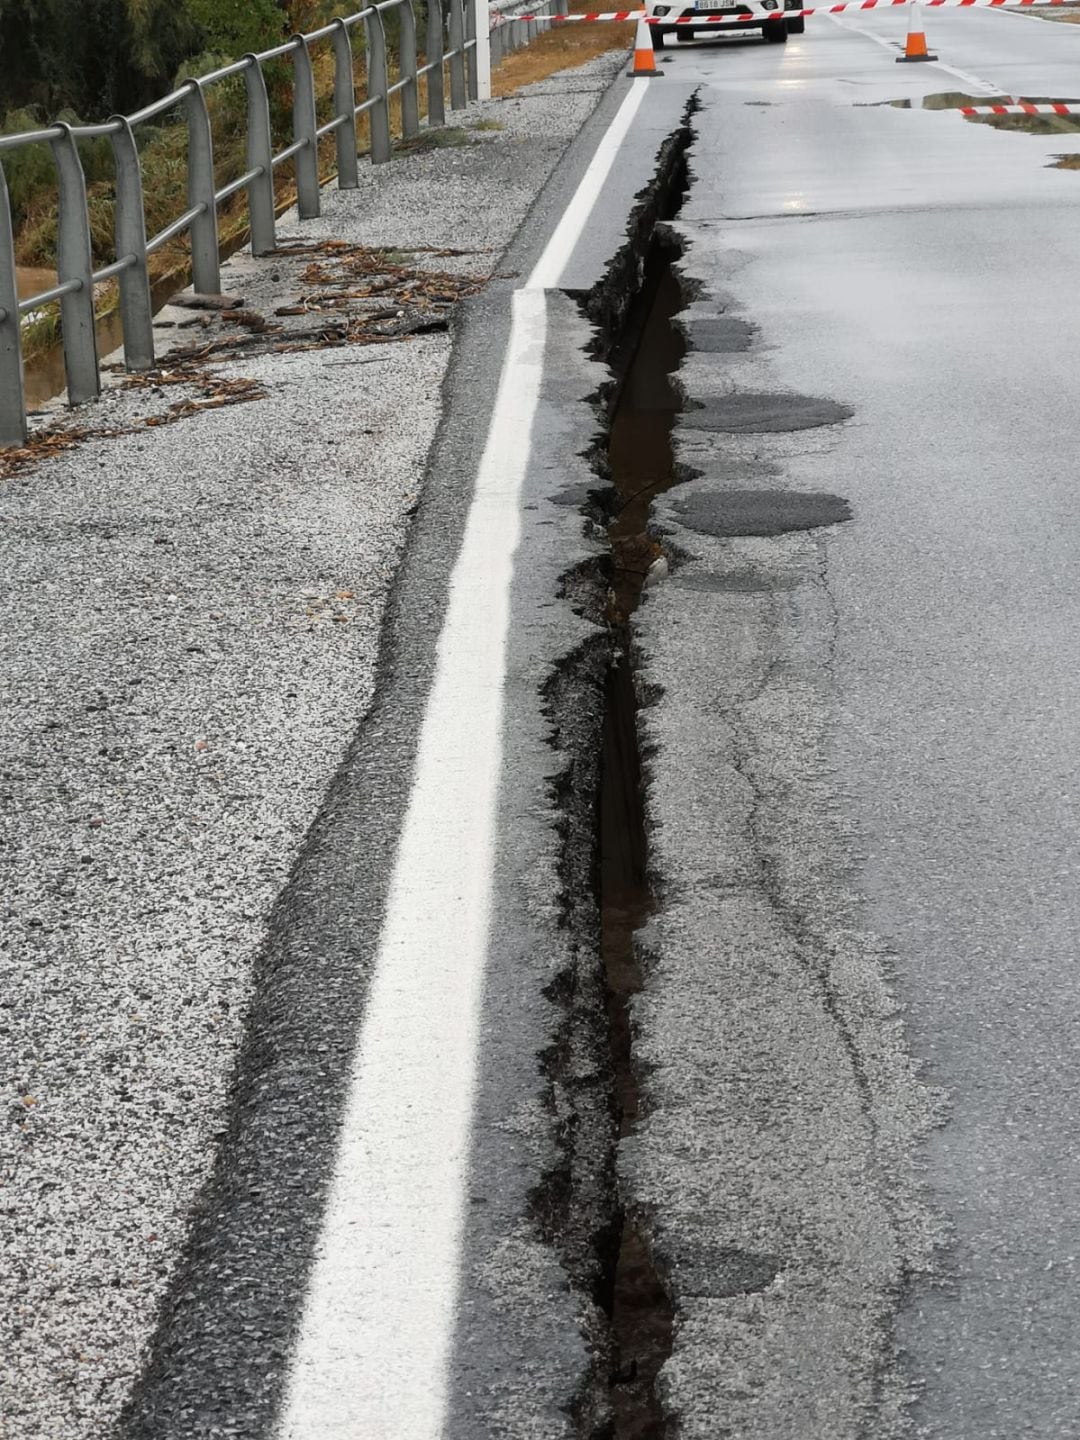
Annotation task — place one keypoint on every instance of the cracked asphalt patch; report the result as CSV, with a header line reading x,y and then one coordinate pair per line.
x,y
745,412
719,334
760,512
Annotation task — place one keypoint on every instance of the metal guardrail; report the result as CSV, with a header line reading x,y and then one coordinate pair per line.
x,y
453,42
509,32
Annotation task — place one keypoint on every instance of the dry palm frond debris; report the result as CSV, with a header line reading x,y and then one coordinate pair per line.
x,y
218,391
347,295
215,392
341,294
44,446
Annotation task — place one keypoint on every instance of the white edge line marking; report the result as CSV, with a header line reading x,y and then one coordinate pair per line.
x,y
568,232
374,1344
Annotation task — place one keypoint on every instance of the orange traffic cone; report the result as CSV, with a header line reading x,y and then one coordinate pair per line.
x,y
644,54
916,41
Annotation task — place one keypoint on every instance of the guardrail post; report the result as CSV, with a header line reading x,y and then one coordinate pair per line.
x,y
407,67
205,259
304,125
136,314
378,85
260,156
456,29
433,46
348,175
12,402
470,35
74,261
483,50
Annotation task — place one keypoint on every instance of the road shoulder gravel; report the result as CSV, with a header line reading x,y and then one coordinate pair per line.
x,y
196,575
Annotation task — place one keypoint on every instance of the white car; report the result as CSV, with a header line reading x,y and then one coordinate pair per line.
x,y
690,18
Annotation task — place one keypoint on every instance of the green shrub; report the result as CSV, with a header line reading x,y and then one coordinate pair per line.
x,y
31,171
234,27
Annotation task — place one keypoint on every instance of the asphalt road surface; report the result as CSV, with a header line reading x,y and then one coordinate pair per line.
x,y
845,1206
860,753
853,1173
898,697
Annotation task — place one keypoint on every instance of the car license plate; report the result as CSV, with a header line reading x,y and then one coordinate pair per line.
x,y
704,4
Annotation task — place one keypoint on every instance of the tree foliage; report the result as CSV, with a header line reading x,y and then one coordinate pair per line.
x,y
102,57
94,57
87,59
233,27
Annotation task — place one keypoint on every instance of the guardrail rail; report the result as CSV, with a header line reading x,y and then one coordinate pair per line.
x,y
454,43
515,23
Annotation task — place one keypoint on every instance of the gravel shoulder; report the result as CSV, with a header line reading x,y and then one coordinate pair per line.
x,y
192,601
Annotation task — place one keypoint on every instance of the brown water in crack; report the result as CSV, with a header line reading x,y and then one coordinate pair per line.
x,y
639,450
641,462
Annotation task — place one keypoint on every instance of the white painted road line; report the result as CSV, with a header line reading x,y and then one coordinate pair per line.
x,y
568,232
374,1344
962,75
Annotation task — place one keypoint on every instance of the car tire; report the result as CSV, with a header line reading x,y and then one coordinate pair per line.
x,y
659,39
776,33
796,27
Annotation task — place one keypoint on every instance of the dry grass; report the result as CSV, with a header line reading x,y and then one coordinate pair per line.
x,y
1067,14
1026,124
1031,124
561,48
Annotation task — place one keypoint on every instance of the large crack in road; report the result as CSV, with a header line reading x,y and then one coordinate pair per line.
x,y
641,467
604,1243
667,1137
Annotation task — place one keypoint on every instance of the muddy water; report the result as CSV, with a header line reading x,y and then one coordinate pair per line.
x,y
45,377
32,281
639,451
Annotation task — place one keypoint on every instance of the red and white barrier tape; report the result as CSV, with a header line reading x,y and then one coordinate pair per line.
x,y
990,4
1019,109
755,19
564,19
